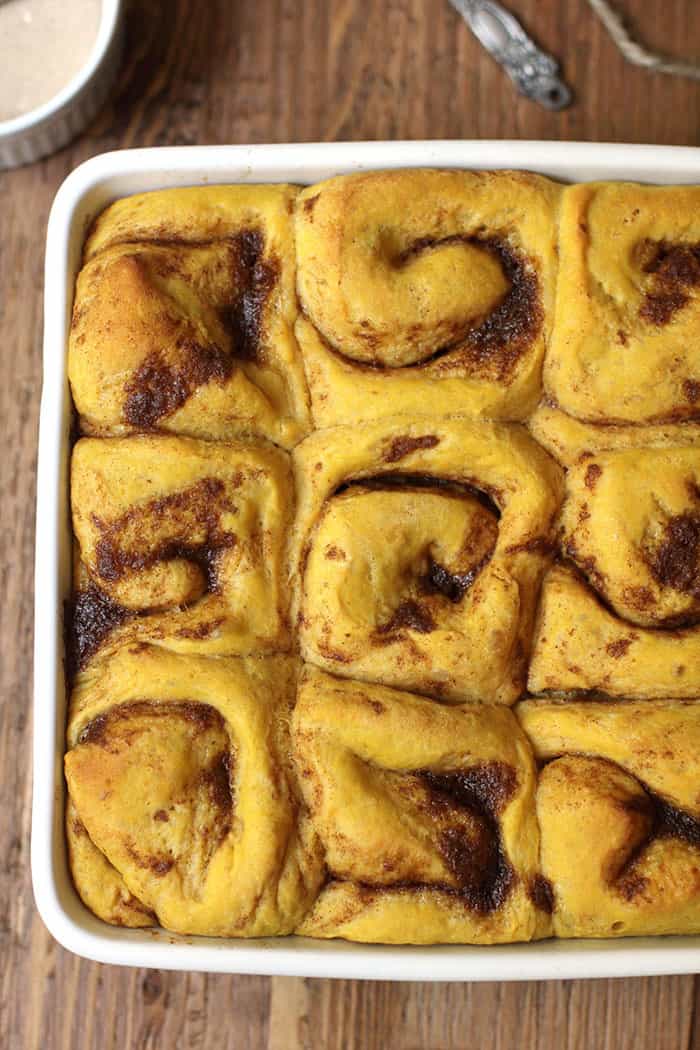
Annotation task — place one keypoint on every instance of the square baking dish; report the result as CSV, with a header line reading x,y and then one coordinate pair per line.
x,y
85,193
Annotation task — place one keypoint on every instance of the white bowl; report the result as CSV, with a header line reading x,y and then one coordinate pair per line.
x,y
49,127
84,193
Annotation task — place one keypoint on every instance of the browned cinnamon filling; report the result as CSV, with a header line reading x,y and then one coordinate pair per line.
x,y
414,612
453,585
541,893
486,494
156,389
674,269
201,716
483,875
665,822
501,339
244,317
88,619
116,729
510,329
403,446
676,560
410,614
640,598
124,545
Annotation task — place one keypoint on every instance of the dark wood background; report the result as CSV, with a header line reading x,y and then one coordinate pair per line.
x,y
218,71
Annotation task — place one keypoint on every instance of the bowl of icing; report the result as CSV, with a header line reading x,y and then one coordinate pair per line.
x,y
58,61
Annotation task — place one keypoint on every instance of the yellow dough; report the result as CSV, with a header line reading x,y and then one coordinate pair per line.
x,y
569,439
619,814
624,345
581,645
406,574
184,314
426,814
183,802
427,291
101,887
183,542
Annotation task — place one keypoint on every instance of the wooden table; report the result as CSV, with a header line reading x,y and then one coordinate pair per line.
x,y
217,71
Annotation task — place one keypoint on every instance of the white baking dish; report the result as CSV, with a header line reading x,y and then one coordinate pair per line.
x,y
82,196
50,126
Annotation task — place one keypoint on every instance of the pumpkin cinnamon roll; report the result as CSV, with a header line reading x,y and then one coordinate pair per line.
x,y
426,814
623,617
425,291
619,814
182,544
418,552
184,808
624,344
183,317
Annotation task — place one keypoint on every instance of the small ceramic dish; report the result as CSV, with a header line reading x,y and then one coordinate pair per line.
x,y
47,128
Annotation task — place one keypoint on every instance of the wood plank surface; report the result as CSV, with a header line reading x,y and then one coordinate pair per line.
x,y
217,71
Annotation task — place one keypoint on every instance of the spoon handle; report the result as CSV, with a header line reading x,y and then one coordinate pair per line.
x,y
533,71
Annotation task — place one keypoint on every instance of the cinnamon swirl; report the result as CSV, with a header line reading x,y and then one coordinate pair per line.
x,y
184,808
623,617
183,317
418,552
426,815
182,544
425,291
619,815
624,340
328,530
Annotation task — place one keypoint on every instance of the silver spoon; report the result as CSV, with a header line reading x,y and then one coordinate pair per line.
x,y
533,71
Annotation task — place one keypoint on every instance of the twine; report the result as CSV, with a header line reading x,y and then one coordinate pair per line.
x,y
634,52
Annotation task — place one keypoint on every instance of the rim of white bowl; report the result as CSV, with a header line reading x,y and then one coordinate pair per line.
x,y
109,22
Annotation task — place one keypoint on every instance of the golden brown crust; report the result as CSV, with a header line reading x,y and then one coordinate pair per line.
x,y
580,645
569,440
101,887
622,617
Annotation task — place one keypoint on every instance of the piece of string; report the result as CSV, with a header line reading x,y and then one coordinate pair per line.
x,y
634,52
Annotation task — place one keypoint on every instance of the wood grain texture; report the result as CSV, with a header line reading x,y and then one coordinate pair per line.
x,y
274,70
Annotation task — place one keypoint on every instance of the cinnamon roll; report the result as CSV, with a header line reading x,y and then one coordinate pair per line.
x,y
182,544
425,291
619,814
184,808
624,340
418,552
426,814
183,317
623,617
